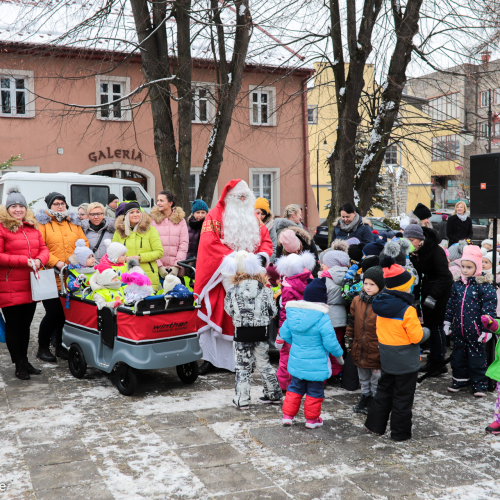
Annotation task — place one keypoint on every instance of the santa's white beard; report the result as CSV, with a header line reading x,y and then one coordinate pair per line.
x,y
240,224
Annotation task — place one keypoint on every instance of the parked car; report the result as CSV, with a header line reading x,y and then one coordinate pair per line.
x,y
480,227
321,233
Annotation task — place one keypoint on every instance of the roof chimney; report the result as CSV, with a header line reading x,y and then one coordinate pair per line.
x,y
485,56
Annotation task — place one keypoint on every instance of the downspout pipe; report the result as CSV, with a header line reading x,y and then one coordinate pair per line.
x,y
306,149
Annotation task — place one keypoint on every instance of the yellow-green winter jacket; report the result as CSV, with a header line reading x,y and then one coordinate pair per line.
x,y
144,242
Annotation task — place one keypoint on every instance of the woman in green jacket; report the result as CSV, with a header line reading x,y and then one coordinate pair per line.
x,y
134,230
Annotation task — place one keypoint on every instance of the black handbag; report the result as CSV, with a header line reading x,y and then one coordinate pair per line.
x,y
251,333
350,377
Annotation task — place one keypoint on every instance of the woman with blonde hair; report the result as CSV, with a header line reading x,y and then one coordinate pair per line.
x,y
98,229
459,225
83,210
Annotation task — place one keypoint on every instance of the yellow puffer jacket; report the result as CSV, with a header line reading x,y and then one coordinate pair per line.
x,y
145,242
60,237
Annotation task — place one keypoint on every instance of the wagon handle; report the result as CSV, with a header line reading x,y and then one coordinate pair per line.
x,y
63,284
186,264
197,299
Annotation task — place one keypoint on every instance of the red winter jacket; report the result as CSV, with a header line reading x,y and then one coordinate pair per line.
x,y
19,241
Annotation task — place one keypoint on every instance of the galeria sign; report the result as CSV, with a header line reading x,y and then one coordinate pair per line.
x,y
117,153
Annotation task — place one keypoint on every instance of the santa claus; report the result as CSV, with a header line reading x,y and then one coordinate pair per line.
x,y
229,227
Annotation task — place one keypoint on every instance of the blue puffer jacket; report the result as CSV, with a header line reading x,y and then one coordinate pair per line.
x,y
467,303
310,332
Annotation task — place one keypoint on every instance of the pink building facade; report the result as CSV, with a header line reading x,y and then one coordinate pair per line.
x,y
267,143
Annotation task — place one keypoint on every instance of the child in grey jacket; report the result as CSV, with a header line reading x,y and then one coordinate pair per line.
x,y
335,264
250,303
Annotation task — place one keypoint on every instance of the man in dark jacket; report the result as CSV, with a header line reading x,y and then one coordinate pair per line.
x,y
433,289
350,225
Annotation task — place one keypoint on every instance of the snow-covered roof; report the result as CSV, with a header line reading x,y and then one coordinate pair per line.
x,y
86,25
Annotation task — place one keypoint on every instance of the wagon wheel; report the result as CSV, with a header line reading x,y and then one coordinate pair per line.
x,y
188,373
76,361
126,380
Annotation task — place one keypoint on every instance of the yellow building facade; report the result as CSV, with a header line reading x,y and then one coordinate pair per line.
x,y
408,169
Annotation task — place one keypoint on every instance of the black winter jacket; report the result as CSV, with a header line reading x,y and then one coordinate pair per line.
x,y
435,278
194,231
457,230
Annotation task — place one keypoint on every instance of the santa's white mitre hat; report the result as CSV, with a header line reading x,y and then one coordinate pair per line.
x,y
240,188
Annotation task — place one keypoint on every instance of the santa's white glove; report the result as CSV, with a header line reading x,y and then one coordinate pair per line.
x,y
446,327
340,359
163,272
174,271
485,337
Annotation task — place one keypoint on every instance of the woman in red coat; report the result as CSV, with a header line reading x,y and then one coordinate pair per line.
x,y
21,246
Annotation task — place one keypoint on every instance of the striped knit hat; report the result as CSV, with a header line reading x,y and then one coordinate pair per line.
x,y
396,277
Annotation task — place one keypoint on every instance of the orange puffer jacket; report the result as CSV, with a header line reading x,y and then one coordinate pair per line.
x,y
60,237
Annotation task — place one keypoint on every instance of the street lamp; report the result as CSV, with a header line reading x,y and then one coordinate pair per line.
x,y
324,147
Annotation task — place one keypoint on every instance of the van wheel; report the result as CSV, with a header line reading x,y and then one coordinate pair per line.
x,y
188,373
125,380
76,361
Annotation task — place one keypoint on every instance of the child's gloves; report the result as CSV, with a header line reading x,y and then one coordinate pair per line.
x,y
174,271
117,303
279,343
489,323
446,328
485,337
162,271
340,360
351,272
348,341
430,302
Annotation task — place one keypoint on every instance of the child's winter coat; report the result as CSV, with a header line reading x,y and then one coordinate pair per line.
x,y
470,299
362,328
336,303
352,282
250,302
73,282
399,332
292,288
310,332
494,369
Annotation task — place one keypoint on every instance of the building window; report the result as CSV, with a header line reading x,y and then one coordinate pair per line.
x,y
485,98
484,130
312,115
496,129
446,147
391,155
444,107
265,184
110,89
203,104
262,106
194,182
497,96
16,94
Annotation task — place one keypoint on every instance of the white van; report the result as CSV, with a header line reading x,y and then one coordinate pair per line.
x,y
77,188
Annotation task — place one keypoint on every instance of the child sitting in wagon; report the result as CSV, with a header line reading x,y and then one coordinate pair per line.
x,y
81,267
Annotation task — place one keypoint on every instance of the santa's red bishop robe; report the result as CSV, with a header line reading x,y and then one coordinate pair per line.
x,y
215,327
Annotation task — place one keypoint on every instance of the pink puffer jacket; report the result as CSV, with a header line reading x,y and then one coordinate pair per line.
x,y
173,234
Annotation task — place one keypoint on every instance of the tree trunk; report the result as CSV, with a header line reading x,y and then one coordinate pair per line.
x,y
156,66
348,90
185,103
229,87
406,29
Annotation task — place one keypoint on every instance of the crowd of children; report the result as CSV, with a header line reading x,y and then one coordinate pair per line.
x,y
362,306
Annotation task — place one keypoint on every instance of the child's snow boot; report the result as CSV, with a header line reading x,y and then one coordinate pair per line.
x,y
287,420
493,428
313,424
363,404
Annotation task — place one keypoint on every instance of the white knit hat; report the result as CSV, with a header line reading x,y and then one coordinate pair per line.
x,y
100,280
82,252
115,250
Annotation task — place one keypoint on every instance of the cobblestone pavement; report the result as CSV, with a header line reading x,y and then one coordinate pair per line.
x,y
63,438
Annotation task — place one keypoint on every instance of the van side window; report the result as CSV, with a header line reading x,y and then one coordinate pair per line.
x,y
142,200
80,193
